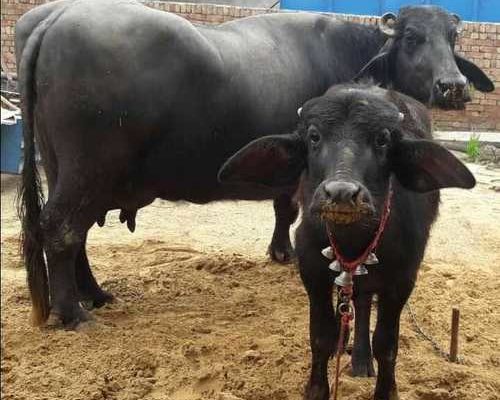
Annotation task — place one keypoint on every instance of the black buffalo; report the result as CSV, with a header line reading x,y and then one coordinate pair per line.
x,y
130,104
349,144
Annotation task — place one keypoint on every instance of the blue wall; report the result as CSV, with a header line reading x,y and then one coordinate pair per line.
x,y
11,153
469,10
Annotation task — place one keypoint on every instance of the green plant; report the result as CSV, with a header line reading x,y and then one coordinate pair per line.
x,y
472,149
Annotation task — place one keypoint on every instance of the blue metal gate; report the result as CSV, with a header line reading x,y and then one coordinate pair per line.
x,y
469,10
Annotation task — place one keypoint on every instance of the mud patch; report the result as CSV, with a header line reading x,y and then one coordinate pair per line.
x,y
203,314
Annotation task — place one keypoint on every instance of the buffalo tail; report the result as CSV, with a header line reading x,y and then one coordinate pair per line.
x,y
30,194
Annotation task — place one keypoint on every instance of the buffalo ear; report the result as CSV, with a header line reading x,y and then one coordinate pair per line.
x,y
423,166
459,24
276,160
387,24
474,74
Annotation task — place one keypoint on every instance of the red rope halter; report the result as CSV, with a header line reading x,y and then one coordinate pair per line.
x,y
350,265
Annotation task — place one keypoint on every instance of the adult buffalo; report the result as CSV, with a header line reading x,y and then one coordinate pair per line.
x,y
370,175
131,104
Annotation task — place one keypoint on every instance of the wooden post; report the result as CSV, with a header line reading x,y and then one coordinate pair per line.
x,y
455,319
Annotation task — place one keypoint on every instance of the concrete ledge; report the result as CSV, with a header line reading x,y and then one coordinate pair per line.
x,y
490,137
458,141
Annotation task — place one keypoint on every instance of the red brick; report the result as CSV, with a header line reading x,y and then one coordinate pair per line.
x,y
490,28
487,49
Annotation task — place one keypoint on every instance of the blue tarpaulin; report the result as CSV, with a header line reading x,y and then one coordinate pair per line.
x,y
469,10
11,144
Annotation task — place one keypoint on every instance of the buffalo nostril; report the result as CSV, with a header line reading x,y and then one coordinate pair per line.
x,y
356,194
451,87
359,198
342,192
332,191
329,189
443,88
344,202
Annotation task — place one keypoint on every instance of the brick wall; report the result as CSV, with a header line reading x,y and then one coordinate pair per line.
x,y
479,42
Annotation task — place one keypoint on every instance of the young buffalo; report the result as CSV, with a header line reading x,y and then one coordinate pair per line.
x,y
370,178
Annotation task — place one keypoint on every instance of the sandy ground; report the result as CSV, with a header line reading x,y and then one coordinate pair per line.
x,y
203,314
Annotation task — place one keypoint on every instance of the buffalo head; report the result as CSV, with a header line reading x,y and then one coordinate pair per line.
x,y
348,144
419,60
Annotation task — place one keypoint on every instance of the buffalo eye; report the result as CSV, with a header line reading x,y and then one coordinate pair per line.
x,y
382,138
314,135
412,38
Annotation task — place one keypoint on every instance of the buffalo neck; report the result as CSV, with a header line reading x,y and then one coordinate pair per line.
x,y
352,240
351,47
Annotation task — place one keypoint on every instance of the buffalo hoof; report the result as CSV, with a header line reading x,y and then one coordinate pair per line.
x,y
67,320
317,392
103,299
393,395
362,367
96,300
281,254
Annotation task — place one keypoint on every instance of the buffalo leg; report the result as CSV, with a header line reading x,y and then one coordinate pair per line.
x,y
323,338
361,359
286,211
323,326
65,226
385,343
89,290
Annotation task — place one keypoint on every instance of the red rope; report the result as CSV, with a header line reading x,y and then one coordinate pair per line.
x,y
344,326
352,264
345,308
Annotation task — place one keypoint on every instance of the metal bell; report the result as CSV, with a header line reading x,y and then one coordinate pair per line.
x,y
335,266
360,270
328,252
344,279
371,259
